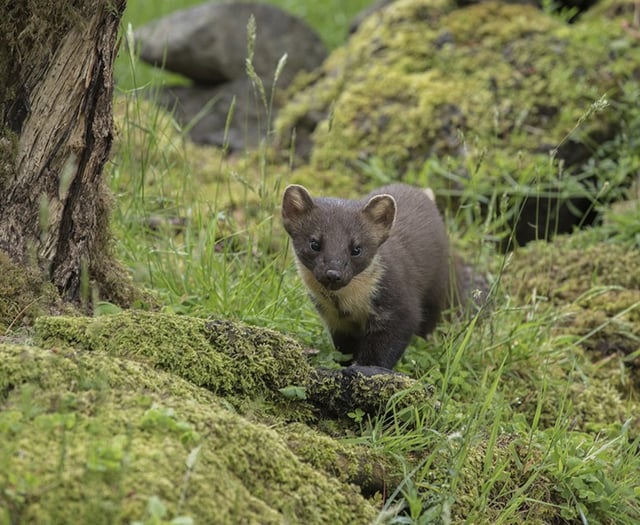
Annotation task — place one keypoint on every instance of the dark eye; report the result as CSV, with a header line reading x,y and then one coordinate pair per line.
x,y
315,245
356,251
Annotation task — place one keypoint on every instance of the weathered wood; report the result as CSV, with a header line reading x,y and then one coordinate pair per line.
x,y
56,109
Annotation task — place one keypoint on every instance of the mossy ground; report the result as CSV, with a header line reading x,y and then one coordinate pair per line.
x,y
127,397
595,288
110,434
526,414
120,396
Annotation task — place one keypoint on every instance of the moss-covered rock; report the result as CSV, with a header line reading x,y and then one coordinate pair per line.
x,y
595,287
370,469
473,98
242,363
370,389
561,383
598,286
93,438
511,460
226,358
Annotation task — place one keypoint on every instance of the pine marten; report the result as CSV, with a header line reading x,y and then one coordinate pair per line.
x,y
377,269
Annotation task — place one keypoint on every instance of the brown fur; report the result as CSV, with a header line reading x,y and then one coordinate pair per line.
x,y
377,269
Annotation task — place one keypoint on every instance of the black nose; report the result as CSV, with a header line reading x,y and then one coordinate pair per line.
x,y
333,275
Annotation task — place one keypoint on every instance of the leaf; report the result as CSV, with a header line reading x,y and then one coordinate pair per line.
x,y
182,520
156,508
193,457
294,392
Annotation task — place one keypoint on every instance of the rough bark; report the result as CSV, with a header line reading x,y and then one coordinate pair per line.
x,y
56,92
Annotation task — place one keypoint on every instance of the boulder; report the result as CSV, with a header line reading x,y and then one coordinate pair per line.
x,y
594,282
204,111
208,43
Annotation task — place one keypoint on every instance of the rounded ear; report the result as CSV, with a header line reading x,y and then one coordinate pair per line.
x,y
380,211
296,201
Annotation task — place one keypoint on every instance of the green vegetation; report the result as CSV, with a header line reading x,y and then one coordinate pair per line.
x,y
91,438
204,411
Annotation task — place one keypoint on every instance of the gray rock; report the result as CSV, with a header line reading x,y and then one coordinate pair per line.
x,y
208,43
204,110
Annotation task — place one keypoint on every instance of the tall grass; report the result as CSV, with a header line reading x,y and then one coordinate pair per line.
x,y
196,226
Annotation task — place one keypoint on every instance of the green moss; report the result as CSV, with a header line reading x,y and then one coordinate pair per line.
x,y
597,403
365,467
248,365
50,367
340,391
224,357
24,295
563,384
565,270
511,460
87,437
595,287
598,284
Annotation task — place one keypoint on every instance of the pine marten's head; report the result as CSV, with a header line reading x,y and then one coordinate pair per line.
x,y
336,239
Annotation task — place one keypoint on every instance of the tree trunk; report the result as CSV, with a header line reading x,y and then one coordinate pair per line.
x,y
56,91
